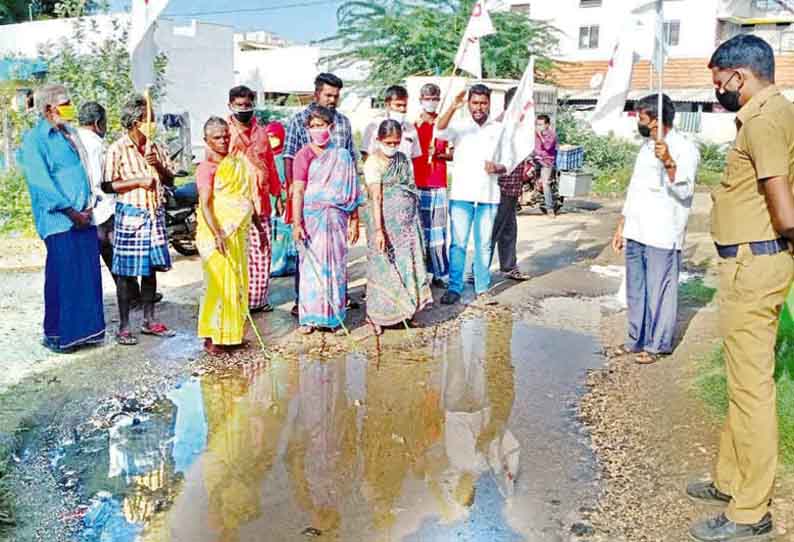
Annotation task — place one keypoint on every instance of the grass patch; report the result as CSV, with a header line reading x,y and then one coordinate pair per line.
x,y
15,214
708,177
695,293
711,385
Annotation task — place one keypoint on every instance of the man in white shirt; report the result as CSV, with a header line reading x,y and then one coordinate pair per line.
x,y
474,197
91,133
653,228
396,100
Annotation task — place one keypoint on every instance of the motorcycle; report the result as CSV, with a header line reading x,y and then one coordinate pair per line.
x,y
532,191
181,218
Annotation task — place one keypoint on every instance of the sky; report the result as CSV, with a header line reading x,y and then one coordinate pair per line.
x,y
297,20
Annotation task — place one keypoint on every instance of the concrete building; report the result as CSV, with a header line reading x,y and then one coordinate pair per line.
x,y
200,59
590,29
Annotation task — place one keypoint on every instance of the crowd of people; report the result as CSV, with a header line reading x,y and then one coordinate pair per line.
x,y
91,202
84,190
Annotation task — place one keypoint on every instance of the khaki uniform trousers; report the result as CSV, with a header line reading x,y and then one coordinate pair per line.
x,y
751,295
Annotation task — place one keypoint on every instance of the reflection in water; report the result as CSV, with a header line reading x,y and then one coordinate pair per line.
x,y
417,448
245,416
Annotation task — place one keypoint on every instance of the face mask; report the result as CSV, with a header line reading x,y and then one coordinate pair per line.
x,y
275,142
388,151
244,116
398,116
644,130
729,99
320,136
67,112
429,106
148,129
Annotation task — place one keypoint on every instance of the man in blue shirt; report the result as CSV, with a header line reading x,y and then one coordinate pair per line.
x,y
60,196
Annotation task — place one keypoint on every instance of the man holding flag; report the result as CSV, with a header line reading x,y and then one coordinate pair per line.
x,y
653,228
474,197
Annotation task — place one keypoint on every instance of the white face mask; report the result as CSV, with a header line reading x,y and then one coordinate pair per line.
x,y
429,106
398,116
388,151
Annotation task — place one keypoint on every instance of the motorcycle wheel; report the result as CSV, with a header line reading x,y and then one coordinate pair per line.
x,y
185,247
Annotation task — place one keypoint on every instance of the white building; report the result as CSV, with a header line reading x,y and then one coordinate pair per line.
x,y
200,59
590,29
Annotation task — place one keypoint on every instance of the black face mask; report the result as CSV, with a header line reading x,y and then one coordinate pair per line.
x,y
644,130
729,99
244,116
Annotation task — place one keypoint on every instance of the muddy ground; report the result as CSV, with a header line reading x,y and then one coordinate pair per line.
x,y
638,433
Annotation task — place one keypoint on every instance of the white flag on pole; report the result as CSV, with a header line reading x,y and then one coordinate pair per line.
x,y
644,20
141,44
615,89
517,140
468,57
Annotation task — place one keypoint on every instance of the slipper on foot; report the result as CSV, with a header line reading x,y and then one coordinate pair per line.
x,y
126,338
158,330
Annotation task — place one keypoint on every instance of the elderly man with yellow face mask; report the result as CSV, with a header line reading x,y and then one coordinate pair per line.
x,y
136,170
60,195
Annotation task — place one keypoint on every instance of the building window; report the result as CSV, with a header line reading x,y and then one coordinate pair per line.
x,y
589,3
766,5
520,8
672,33
588,37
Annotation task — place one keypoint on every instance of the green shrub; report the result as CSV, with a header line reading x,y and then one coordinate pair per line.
x,y
712,156
608,158
15,213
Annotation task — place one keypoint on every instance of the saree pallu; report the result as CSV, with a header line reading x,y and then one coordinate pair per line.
x,y
73,310
332,193
397,280
224,306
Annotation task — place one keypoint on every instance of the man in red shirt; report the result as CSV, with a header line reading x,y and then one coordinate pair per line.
x,y
431,180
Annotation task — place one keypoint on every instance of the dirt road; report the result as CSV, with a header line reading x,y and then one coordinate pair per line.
x,y
494,424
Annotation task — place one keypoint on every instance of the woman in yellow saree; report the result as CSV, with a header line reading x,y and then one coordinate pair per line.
x,y
223,224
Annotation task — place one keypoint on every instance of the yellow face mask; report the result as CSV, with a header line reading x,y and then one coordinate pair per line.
x,y
274,142
148,129
67,112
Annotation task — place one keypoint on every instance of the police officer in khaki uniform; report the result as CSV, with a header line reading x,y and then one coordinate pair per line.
x,y
752,226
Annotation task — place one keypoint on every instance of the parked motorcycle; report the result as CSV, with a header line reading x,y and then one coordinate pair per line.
x,y
181,218
532,191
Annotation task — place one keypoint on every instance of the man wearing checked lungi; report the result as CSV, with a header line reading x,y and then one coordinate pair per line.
x,y
136,170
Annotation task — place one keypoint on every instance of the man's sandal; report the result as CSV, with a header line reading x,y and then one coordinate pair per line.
x,y
646,358
126,338
158,330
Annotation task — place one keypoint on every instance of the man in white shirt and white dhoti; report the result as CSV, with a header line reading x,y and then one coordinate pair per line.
x,y
653,229
474,197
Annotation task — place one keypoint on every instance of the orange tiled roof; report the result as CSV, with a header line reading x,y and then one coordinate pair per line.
x,y
678,73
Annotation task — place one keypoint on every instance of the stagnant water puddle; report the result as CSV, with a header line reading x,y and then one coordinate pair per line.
x,y
472,438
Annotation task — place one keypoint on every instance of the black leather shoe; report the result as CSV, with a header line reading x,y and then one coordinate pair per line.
x,y
707,493
450,298
721,529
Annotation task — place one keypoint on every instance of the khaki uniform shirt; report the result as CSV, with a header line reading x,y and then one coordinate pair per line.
x,y
764,148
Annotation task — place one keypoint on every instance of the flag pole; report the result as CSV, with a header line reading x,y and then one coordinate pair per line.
x,y
660,67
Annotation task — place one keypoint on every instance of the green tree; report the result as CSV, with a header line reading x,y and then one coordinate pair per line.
x,y
16,11
401,38
98,70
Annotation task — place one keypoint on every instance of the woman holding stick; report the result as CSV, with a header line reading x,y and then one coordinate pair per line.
x,y
325,200
227,212
397,280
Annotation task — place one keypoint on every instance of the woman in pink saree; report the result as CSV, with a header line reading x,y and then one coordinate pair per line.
x,y
325,200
